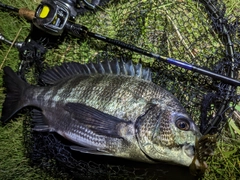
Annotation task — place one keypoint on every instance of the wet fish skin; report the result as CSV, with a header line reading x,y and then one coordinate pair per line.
x,y
109,114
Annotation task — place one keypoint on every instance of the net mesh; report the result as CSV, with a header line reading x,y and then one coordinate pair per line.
x,y
196,32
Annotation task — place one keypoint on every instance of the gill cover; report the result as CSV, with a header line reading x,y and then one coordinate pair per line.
x,y
145,127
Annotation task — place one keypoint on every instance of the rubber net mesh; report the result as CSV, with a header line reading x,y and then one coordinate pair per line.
x,y
197,32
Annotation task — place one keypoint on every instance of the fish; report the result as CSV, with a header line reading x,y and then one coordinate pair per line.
x,y
109,108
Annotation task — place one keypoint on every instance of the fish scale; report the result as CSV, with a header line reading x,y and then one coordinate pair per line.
x,y
118,95
109,108
86,134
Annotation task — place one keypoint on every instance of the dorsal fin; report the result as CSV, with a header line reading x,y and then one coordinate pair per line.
x,y
118,67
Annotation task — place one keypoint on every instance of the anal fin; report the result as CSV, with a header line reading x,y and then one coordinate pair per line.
x,y
39,122
89,150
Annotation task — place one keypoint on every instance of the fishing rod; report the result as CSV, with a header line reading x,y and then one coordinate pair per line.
x,y
55,16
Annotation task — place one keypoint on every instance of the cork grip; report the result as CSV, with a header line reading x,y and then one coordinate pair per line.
x,y
26,13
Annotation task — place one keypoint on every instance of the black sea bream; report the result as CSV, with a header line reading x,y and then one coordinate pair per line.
x,y
109,108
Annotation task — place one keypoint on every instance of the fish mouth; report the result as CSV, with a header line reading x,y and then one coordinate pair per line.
x,y
189,149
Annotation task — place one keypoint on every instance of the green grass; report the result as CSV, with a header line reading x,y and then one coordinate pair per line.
x,y
225,164
13,163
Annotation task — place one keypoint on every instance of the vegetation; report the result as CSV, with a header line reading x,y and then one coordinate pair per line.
x,y
225,164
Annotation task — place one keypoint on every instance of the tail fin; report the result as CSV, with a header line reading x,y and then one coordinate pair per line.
x,y
15,87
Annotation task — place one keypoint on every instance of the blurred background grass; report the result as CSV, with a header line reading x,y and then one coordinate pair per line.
x,y
225,164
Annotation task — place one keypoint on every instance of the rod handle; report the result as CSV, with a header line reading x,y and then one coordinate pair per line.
x,y
26,13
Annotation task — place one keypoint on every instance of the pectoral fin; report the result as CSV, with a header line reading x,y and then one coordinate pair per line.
x,y
95,120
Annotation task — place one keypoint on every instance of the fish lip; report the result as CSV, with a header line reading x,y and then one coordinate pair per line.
x,y
189,149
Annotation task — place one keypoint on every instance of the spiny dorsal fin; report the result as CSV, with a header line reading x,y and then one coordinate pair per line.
x,y
118,67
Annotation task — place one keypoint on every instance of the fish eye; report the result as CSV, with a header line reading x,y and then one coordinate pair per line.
x,y
183,124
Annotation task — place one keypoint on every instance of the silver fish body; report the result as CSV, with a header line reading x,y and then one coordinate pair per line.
x,y
110,108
